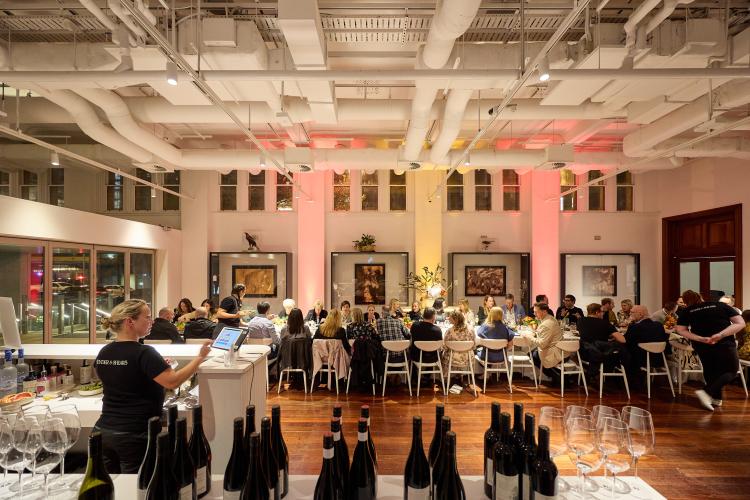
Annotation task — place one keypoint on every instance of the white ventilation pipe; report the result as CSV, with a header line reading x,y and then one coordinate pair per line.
x,y
85,116
92,7
733,147
638,15
419,122
453,116
667,9
116,8
143,8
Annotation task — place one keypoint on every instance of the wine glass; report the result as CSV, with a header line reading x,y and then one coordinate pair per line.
x,y
641,433
7,421
15,459
613,441
581,438
554,419
574,411
55,443
71,421
600,412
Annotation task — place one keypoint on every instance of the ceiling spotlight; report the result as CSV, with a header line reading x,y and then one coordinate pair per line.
x,y
262,160
543,69
153,192
171,73
467,160
54,158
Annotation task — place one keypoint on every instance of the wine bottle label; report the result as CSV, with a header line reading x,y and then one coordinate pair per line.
x,y
417,494
327,453
282,491
362,436
229,495
200,481
489,472
141,493
506,487
337,436
526,487
186,493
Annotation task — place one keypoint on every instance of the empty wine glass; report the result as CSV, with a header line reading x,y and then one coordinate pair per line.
x,y
71,421
16,458
574,411
600,412
554,419
613,442
7,421
55,443
641,433
581,438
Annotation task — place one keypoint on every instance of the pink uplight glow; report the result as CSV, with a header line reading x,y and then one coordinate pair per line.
x,y
311,232
545,237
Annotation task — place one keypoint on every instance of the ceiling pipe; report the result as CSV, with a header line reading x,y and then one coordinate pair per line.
x,y
453,115
92,7
667,9
123,16
631,25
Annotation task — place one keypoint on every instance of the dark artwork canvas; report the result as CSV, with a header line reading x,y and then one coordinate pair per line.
x,y
369,284
259,281
599,281
484,280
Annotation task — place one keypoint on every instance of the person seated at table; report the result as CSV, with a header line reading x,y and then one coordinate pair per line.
x,y
415,314
295,326
211,309
459,330
494,328
184,311
608,310
261,327
391,328
484,310
359,327
465,309
623,317
569,310
438,305
331,329
394,309
542,299
641,330
200,327
681,307
133,377
548,334
371,316
163,328
597,345
424,330
286,307
230,309
513,313
667,311
346,313
743,338
317,313
729,300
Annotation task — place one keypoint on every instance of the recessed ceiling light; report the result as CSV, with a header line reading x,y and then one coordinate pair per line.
x,y
171,73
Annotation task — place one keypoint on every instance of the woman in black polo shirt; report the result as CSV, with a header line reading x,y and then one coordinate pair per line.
x,y
230,309
712,327
134,377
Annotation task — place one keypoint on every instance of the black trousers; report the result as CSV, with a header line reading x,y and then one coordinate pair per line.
x,y
123,451
720,365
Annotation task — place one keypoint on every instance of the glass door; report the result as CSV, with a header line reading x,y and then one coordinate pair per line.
x,y
110,284
71,295
22,270
711,277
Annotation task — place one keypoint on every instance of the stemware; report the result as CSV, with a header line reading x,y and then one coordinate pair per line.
x,y
581,438
55,444
554,419
71,421
7,421
612,440
600,412
16,458
574,411
641,433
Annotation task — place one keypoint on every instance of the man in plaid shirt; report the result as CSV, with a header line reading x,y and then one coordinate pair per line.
x,y
392,328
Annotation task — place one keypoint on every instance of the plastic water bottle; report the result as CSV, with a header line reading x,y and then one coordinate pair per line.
x,y
23,371
8,376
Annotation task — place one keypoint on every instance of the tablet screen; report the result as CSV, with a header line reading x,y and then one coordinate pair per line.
x,y
227,338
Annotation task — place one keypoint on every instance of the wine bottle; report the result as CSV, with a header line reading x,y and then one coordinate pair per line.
x,y
146,469
504,461
329,485
163,485
365,413
544,471
256,485
491,436
171,424
236,471
449,485
529,457
341,453
280,450
517,435
436,436
96,485
200,452
440,461
249,427
417,470
182,464
268,459
337,414
363,479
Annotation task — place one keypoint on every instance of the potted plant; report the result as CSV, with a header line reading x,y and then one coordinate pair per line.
x,y
428,284
365,244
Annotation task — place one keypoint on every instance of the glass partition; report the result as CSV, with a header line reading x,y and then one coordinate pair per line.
x,y
22,271
110,285
141,277
71,294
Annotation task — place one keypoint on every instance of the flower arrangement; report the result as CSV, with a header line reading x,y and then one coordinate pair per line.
x,y
365,244
670,322
279,321
407,322
530,322
428,283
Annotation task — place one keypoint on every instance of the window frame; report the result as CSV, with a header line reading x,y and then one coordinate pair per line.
x,y
597,187
625,187
342,187
251,187
572,196
399,187
457,188
223,185
485,187
370,188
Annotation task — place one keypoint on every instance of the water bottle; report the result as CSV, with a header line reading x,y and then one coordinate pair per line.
x,y
8,376
23,371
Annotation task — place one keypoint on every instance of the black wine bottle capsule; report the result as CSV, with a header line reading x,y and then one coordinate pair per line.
x,y
365,413
491,436
341,453
268,459
280,450
249,427
329,485
417,469
171,423
436,436
200,452
442,457
529,456
182,464
544,471
146,469
363,479
236,471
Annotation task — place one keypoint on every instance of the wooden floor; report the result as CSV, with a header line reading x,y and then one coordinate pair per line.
x,y
698,454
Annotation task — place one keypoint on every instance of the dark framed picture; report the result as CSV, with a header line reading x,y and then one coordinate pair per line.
x,y
484,280
599,281
259,281
369,284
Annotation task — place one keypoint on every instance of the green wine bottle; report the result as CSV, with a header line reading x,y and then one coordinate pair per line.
x,y
96,485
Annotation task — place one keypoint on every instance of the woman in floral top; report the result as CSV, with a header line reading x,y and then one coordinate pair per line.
x,y
744,337
359,328
459,331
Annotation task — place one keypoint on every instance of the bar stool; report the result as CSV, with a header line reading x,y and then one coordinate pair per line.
x,y
396,347
265,342
619,371
491,367
523,359
683,351
429,346
461,346
655,348
569,367
372,373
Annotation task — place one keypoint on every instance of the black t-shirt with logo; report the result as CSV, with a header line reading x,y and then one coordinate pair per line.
x,y
131,396
708,318
231,305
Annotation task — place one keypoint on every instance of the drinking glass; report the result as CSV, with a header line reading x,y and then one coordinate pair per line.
x,y
600,412
554,419
573,411
613,442
641,433
71,421
7,421
15,459
55,443
581,438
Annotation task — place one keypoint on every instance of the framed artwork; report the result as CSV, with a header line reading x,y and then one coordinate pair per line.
x,y
484,280
599,281
369,284
259,280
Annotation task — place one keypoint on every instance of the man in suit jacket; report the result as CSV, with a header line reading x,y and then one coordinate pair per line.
x,y
200,327
548,334
641,330
163,329
425,330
